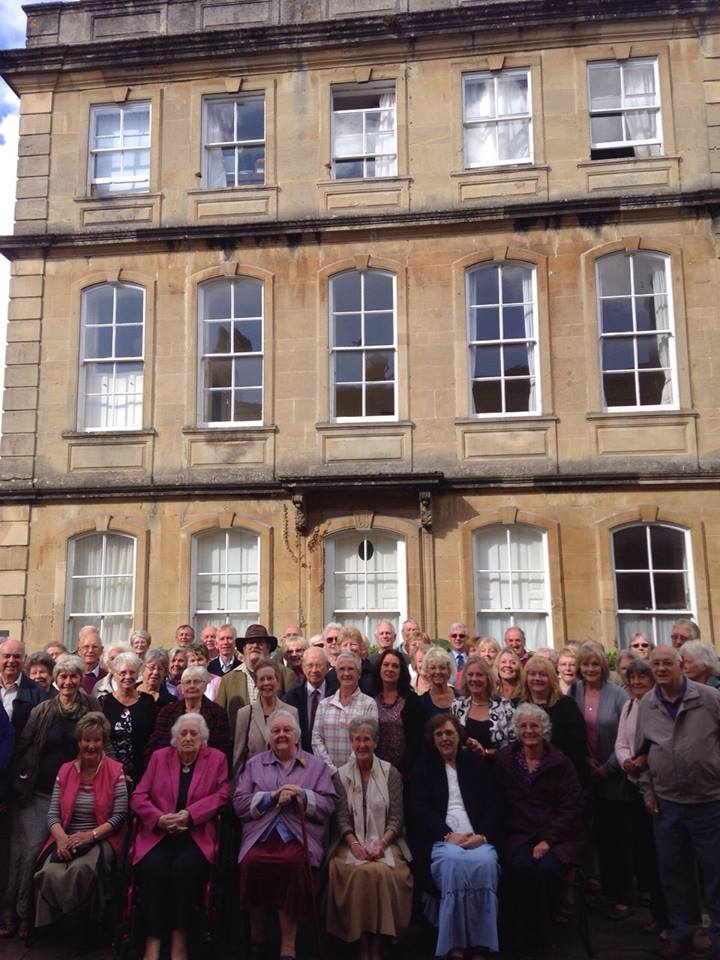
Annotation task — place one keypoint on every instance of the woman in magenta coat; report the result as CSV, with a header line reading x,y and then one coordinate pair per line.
x,y
176,801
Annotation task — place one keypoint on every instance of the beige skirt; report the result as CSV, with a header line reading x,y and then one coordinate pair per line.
x,y
368,897
83,884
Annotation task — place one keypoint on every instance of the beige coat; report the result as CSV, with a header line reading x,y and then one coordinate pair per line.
x,y
250,730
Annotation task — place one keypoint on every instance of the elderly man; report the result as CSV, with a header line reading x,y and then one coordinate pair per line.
x,y
408,628
225,661
19,694
208,637
316,686
293,647
184,635
458,636
332,644
238,687
678,731
515,640
682,631
90,650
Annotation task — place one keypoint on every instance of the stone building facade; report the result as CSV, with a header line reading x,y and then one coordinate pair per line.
x,y
344,310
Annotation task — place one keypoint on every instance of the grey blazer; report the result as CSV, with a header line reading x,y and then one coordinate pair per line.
x,y
612,699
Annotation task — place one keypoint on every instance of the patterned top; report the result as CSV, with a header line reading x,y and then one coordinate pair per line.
x,y
83,817
391,746
330,736
500,714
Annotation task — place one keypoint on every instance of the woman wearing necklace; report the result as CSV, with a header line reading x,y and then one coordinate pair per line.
x,y
486,718
251,721
438,667
400,715
131,715
545,828
46,743
176,802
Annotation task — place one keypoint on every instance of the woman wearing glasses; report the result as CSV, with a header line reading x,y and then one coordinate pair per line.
x,y
641,645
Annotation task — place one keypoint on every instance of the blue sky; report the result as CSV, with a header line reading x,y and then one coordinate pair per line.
x,y
12,34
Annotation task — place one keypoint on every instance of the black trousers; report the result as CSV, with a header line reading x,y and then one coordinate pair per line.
x,y
171,878
644,855
537,886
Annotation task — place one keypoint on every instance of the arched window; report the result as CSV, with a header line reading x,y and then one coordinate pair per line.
x,y
637,334
225,578
512,588
100,586
110,395
653,579
365,580
502,335
363,345
231,352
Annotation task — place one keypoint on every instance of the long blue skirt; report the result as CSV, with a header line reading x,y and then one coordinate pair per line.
x,y
466,915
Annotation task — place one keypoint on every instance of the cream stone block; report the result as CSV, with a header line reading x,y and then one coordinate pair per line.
x,y
644,439
118,25
25,308
338,449
505,443
28,187
242,12
11,608
19,421
27,268
14,513
13,583
17,468
631,174
19,330
34,146
712,91
31,124
20,398
31,209
362,199
29,286
14,534
498,188
340,8
237,207
17,445
36,102
22,376
204,453
117,214
33,166
21,352
112,456
13,558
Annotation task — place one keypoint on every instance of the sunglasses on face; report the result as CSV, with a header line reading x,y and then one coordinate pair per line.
x,y
458,636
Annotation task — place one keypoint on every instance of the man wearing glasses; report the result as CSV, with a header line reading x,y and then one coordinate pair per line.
x,y
458,638
682,631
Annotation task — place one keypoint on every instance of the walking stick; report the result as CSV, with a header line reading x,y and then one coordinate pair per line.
x,y
309,878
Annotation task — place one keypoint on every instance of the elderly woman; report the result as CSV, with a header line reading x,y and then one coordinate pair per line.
x,y
439,670
106,684
131,714
46,743
154,671
140,641
400,716
700,663
545,828
486,718
456,815
87,811
330,736
375,901
251,721
277,790
419,681
193,684
489,649
541,686
567,669
601,703
508,667
183,788
198,655
640,681
39,667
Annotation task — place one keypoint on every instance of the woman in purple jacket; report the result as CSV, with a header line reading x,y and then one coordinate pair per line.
x,y
545,827
275,790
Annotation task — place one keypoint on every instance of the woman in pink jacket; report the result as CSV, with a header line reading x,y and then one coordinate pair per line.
x,y
176,800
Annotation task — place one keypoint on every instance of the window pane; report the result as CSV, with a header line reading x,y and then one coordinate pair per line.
x,y
649,273
487,396
248,336
481,145
217,338
614,275
210,549
248,298
251,119
513,138
251,165
379,329
218,406
220,121
487,362
107,128
517,322
618,354
479,99
517,395
512,94
348,401
87,556
668,548
651,313
379,366
378,291
671,591
346,292
99,305
129,305
128,341
349,367
617,315
380,400
484,286
607,128
248,372
639,81
216,301
655,388
619,390
515,361
98,342
605,86
513,284
248,405
487,324
218,373
630,546
348,330
633,591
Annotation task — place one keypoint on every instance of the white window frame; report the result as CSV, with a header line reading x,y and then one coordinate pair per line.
x,y
494,75
117,362
655,614
201,618
73,621
622,110
532,343
230,355
636,335
362,348
133,106
354,617
362,89
515,617
238,145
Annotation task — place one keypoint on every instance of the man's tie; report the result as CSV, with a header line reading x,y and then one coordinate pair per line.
x,y
314,700
460,661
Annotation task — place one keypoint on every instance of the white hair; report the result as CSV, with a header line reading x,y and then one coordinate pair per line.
x,y
275,716
533,712
198,719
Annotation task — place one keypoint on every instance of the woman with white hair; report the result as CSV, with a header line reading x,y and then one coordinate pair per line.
x,y
545,827
106,684
277,790
700,663
330,735
439,669
131,715
182,790
140,641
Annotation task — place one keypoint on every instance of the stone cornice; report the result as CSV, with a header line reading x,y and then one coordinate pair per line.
x,y
483,18
585,211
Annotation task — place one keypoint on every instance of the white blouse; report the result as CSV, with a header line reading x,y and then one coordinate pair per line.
x,y
456,817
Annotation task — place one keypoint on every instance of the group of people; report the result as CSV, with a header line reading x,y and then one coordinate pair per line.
x,y
457,781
